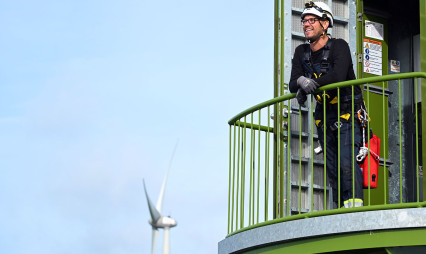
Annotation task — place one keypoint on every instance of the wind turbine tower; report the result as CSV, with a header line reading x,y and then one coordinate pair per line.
x,y
158,221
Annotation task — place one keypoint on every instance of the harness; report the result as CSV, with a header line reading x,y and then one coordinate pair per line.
x,y
317,70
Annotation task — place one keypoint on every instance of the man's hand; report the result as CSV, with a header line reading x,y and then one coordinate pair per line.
x,y
301,97
308,85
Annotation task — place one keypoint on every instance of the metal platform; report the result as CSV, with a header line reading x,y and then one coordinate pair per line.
x,y
372,221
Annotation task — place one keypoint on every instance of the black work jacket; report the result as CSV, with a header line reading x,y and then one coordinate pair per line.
x,y
341,69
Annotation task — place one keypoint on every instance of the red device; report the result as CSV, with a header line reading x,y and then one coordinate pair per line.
x,y
372,159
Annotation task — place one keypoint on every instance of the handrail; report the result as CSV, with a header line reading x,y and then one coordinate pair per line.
x,y
245,149
329,87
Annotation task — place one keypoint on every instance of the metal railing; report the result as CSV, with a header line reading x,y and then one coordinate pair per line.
x,y
260,160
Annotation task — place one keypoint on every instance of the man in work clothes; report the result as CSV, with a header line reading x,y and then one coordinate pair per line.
x,y
321,62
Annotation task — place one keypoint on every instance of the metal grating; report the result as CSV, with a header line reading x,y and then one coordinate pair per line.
x,y
296,42
318,175
295,23
340,8
295,176
298,4
295,199
340,31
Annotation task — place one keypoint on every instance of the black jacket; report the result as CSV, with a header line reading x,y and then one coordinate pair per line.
x,y
339,58
341,70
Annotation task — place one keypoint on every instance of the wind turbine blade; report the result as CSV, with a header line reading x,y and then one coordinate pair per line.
x,y
160,197
154,240
166,244
155,214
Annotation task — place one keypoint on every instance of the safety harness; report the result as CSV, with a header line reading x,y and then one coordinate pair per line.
x,y
317,70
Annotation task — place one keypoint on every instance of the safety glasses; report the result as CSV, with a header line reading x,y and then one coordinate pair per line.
x,y
311,21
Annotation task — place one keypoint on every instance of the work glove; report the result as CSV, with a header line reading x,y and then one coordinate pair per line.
x,y
301,97
308,85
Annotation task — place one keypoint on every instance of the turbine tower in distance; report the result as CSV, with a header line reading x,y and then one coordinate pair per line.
x,y
158,221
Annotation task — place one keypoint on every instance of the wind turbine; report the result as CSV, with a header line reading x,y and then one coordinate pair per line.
x,y
158,221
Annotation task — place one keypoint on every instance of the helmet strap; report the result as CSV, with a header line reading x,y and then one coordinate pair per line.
x,y
314,40
319,36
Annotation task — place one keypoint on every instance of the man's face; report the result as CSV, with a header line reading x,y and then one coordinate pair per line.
x,y
313,30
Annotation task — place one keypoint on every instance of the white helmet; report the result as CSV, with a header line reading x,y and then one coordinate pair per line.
x,y
319,9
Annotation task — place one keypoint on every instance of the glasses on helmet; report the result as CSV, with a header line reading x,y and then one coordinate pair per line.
x,y
309,4
311,21
313,5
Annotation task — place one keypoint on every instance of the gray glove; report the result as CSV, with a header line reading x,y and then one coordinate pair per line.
x,y
301,97
308,85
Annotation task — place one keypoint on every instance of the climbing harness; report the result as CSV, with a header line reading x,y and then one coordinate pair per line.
x,y
317,70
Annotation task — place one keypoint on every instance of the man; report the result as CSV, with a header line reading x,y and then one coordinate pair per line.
x,y
321,62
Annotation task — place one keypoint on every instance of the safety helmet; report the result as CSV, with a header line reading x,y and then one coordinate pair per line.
x,y
318,9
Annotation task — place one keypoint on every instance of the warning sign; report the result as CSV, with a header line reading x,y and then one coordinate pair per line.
x,y
395,66
374,30
372,57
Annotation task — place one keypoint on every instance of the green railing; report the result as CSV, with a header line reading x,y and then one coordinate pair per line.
x,y
260,159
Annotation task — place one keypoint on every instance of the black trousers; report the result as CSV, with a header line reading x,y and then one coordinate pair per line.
x,y
347,162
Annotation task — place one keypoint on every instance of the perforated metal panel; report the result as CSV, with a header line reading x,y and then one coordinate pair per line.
x,y
295,23
340,31
298,4
340,8
296,42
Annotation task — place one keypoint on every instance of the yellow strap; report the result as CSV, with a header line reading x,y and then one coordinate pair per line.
x,y
334,100
346,116
317,76
319,98
317,122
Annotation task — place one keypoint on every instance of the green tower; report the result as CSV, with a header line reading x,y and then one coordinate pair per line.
x,y
280,200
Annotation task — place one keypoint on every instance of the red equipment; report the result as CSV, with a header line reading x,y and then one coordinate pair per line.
x,y
373,157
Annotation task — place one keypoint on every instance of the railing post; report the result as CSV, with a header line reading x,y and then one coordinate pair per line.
x,y
276,92
281,160
423,81
229,183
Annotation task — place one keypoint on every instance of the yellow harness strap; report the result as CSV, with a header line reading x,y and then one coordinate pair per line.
x,y
346,116
317,122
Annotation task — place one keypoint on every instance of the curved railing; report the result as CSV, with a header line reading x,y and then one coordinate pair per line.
x,y
266,186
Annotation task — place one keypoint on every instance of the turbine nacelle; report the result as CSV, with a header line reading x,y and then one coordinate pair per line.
x,y
163,222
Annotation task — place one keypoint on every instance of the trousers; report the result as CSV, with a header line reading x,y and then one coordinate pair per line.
x,y
348,164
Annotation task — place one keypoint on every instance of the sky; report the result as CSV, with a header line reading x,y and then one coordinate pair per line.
x,y
94,96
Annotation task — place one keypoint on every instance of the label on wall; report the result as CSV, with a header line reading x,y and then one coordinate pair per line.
x,y
374,30
372,57
395,66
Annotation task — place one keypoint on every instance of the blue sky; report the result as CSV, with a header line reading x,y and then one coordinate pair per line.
x,y
94,96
